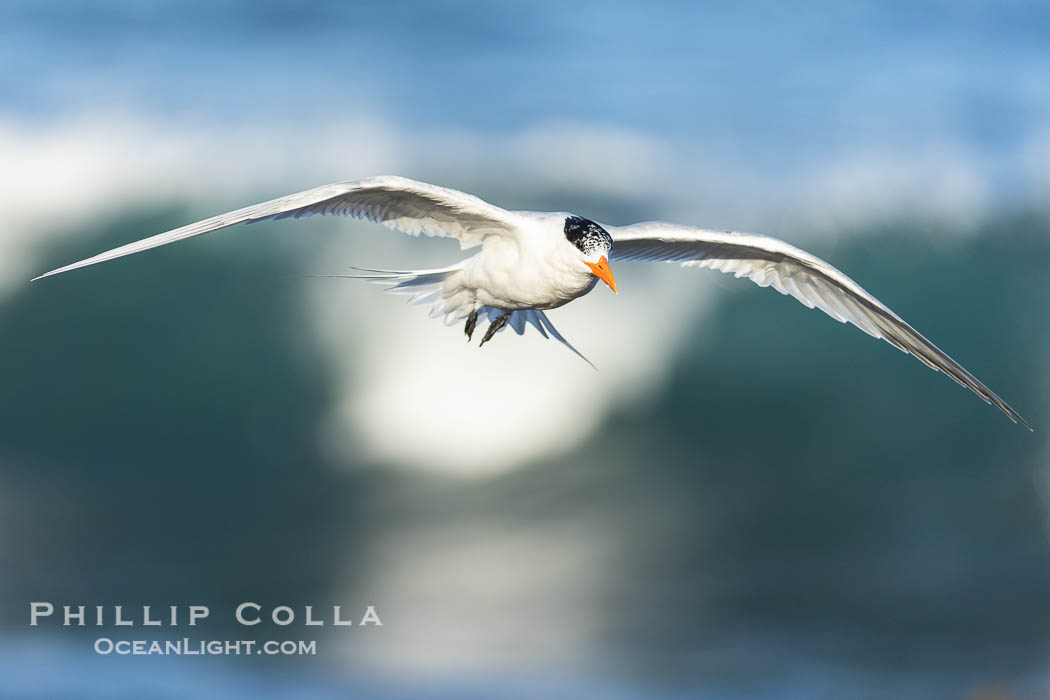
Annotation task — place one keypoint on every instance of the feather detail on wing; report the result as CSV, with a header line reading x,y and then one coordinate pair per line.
x,y
398,203
770,262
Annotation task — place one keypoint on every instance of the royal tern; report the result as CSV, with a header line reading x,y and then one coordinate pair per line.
x,y
531,262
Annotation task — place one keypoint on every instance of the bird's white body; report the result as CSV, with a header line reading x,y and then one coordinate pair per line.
x,y
531,262
536,269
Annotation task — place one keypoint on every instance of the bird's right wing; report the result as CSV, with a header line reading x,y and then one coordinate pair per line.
x,y
771,262
398,203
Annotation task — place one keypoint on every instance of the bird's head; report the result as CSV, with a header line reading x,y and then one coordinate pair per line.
x,y
594,244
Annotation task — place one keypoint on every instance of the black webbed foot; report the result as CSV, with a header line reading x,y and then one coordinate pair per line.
x,y
472,322
495,326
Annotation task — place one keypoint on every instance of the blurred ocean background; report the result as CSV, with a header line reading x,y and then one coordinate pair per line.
x,y
748,500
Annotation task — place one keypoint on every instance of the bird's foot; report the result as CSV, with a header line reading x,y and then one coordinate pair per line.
x,y
495,326
472,322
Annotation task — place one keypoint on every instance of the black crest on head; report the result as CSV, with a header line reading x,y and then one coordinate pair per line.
x,y
587,236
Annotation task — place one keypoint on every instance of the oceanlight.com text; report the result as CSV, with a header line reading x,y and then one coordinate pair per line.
x,y
203,647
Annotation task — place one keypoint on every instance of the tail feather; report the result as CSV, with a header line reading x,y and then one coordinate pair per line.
x,y
537,319
425,297
542,317
517,322
407,281
426,287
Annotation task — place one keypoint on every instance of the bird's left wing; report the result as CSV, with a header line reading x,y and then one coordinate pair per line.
x,y
396,202
771,262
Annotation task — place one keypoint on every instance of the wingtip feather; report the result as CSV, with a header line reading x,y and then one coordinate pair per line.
x,y
49,274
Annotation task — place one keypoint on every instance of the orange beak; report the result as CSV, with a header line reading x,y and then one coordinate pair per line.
x,y
601,271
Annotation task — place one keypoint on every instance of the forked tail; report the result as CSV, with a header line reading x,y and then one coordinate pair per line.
x,y
427,287
520,319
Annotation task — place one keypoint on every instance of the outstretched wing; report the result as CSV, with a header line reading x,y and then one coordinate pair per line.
x,y
396,202
772,262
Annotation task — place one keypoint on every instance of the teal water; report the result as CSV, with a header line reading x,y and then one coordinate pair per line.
x,y
795,496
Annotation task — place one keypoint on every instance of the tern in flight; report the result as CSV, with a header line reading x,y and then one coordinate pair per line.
x,y
531,262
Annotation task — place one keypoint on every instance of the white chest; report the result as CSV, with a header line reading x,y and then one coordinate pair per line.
x,y
537,273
